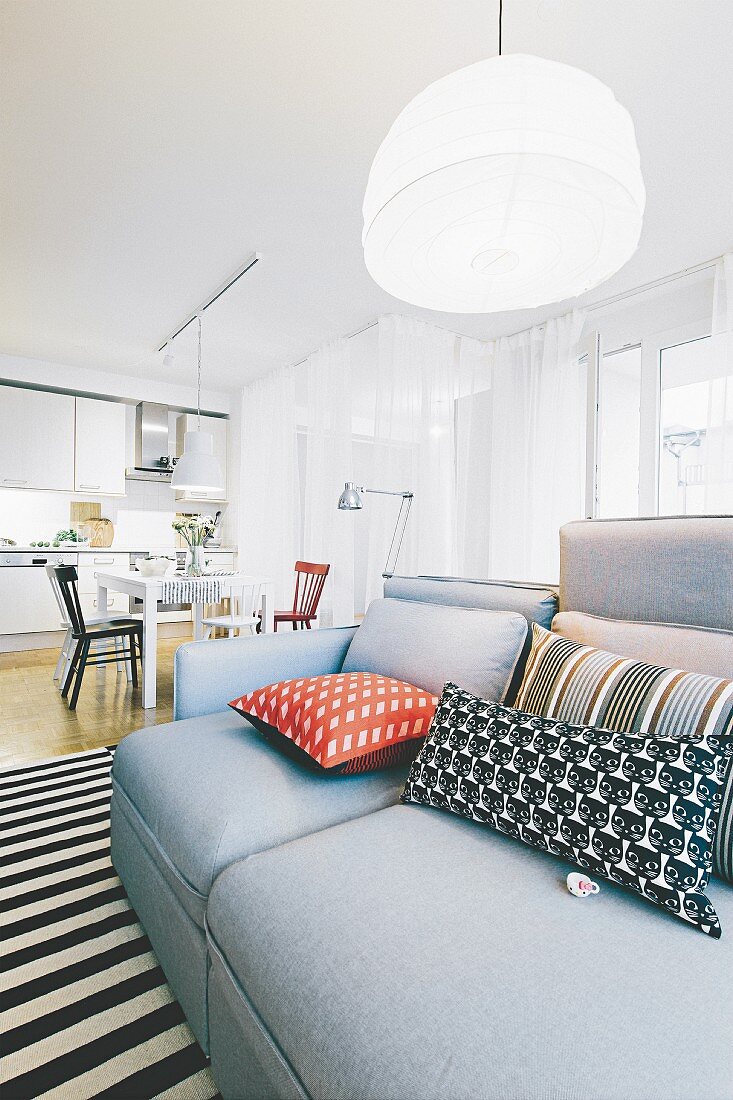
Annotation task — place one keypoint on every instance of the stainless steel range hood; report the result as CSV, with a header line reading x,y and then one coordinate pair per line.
x,y
152,461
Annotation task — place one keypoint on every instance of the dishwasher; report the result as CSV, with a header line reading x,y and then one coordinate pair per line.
x,y
27,602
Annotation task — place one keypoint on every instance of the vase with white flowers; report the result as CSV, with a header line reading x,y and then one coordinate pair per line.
x,y
195,530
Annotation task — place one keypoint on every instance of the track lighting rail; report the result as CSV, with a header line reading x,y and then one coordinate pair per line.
x,y
248,264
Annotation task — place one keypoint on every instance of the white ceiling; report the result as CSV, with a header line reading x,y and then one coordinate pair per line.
x,y
149,145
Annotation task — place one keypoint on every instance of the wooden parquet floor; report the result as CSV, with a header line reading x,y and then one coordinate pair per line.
x,y
36,723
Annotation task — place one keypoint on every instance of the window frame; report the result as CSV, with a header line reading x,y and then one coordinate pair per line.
x,y
650,404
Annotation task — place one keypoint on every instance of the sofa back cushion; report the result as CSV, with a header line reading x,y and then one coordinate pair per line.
x,y
709,652
537,602
428,644
670,569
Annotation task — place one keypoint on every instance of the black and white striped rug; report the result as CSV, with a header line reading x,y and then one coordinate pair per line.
x,y
85,1009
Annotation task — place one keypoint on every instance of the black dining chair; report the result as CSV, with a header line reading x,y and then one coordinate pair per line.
x,y
129,631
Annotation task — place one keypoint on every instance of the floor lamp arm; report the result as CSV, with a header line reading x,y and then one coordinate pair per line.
x,y
399,533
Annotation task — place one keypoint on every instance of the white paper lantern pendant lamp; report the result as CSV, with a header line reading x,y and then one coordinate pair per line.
x,y
509,184
198,470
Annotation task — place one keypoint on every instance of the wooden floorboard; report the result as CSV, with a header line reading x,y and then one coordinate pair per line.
x,y
35,722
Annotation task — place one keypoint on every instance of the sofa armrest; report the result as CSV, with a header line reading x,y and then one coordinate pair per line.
x,y
210,674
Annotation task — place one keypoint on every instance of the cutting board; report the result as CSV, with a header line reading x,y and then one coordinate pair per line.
x,y
102,532
82,510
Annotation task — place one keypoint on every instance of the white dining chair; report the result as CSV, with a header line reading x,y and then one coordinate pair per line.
x,y
67,646
243,617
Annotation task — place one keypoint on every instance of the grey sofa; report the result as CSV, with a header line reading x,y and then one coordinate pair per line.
x,y
325,941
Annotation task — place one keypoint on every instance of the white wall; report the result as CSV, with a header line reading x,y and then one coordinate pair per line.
x,y
142,518
41,372
642,316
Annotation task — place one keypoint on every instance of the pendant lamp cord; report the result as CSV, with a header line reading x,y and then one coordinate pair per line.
x,y
501,12
198,382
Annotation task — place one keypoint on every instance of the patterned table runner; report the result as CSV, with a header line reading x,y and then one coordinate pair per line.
x,y
193,589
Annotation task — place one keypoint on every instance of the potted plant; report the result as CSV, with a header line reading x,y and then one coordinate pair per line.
x,y
194,529
72,537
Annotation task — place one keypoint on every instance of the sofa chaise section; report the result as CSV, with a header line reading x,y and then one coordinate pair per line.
x,y
193,796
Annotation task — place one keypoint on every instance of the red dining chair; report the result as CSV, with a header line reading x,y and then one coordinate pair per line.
x,y
309,581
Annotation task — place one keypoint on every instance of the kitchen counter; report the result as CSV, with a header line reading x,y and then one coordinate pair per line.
x,y
114,549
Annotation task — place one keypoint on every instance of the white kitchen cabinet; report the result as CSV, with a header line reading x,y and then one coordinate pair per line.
x,y
219,559
118,603
36,439
100,447
217,426
27,602
101,561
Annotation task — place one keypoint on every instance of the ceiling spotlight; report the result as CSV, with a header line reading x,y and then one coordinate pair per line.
x,y
169,358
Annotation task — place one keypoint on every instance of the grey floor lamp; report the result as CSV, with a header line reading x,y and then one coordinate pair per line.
x,y
350,501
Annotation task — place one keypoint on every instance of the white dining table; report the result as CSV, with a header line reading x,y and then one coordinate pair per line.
x,y
149,589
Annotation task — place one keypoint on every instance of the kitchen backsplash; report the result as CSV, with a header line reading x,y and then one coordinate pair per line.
x,y
142,518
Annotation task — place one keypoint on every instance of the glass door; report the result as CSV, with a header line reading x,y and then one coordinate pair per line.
x,y
696,428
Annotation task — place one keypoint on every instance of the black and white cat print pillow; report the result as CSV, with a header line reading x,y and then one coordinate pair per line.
x,y
637,810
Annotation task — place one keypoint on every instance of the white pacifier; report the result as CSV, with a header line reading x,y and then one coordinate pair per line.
x,y
581,886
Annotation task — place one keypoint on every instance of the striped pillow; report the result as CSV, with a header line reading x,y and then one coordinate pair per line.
x,y
590,687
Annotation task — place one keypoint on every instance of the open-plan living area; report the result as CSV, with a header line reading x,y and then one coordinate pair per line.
x,y
366,549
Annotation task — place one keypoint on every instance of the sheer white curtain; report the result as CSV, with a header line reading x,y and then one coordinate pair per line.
x,y
328,535
488,436
718,445
269,511
413,447
521,455
473,458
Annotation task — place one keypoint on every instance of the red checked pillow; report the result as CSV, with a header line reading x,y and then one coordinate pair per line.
x,y
348,722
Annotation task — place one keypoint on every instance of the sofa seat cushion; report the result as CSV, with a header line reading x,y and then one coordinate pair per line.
x,y
598,799
206,791
451,961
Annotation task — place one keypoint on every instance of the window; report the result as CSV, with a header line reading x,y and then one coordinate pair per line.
x,y
696,429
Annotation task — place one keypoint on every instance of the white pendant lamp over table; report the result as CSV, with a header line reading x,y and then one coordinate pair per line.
x,y
198,469
510,184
